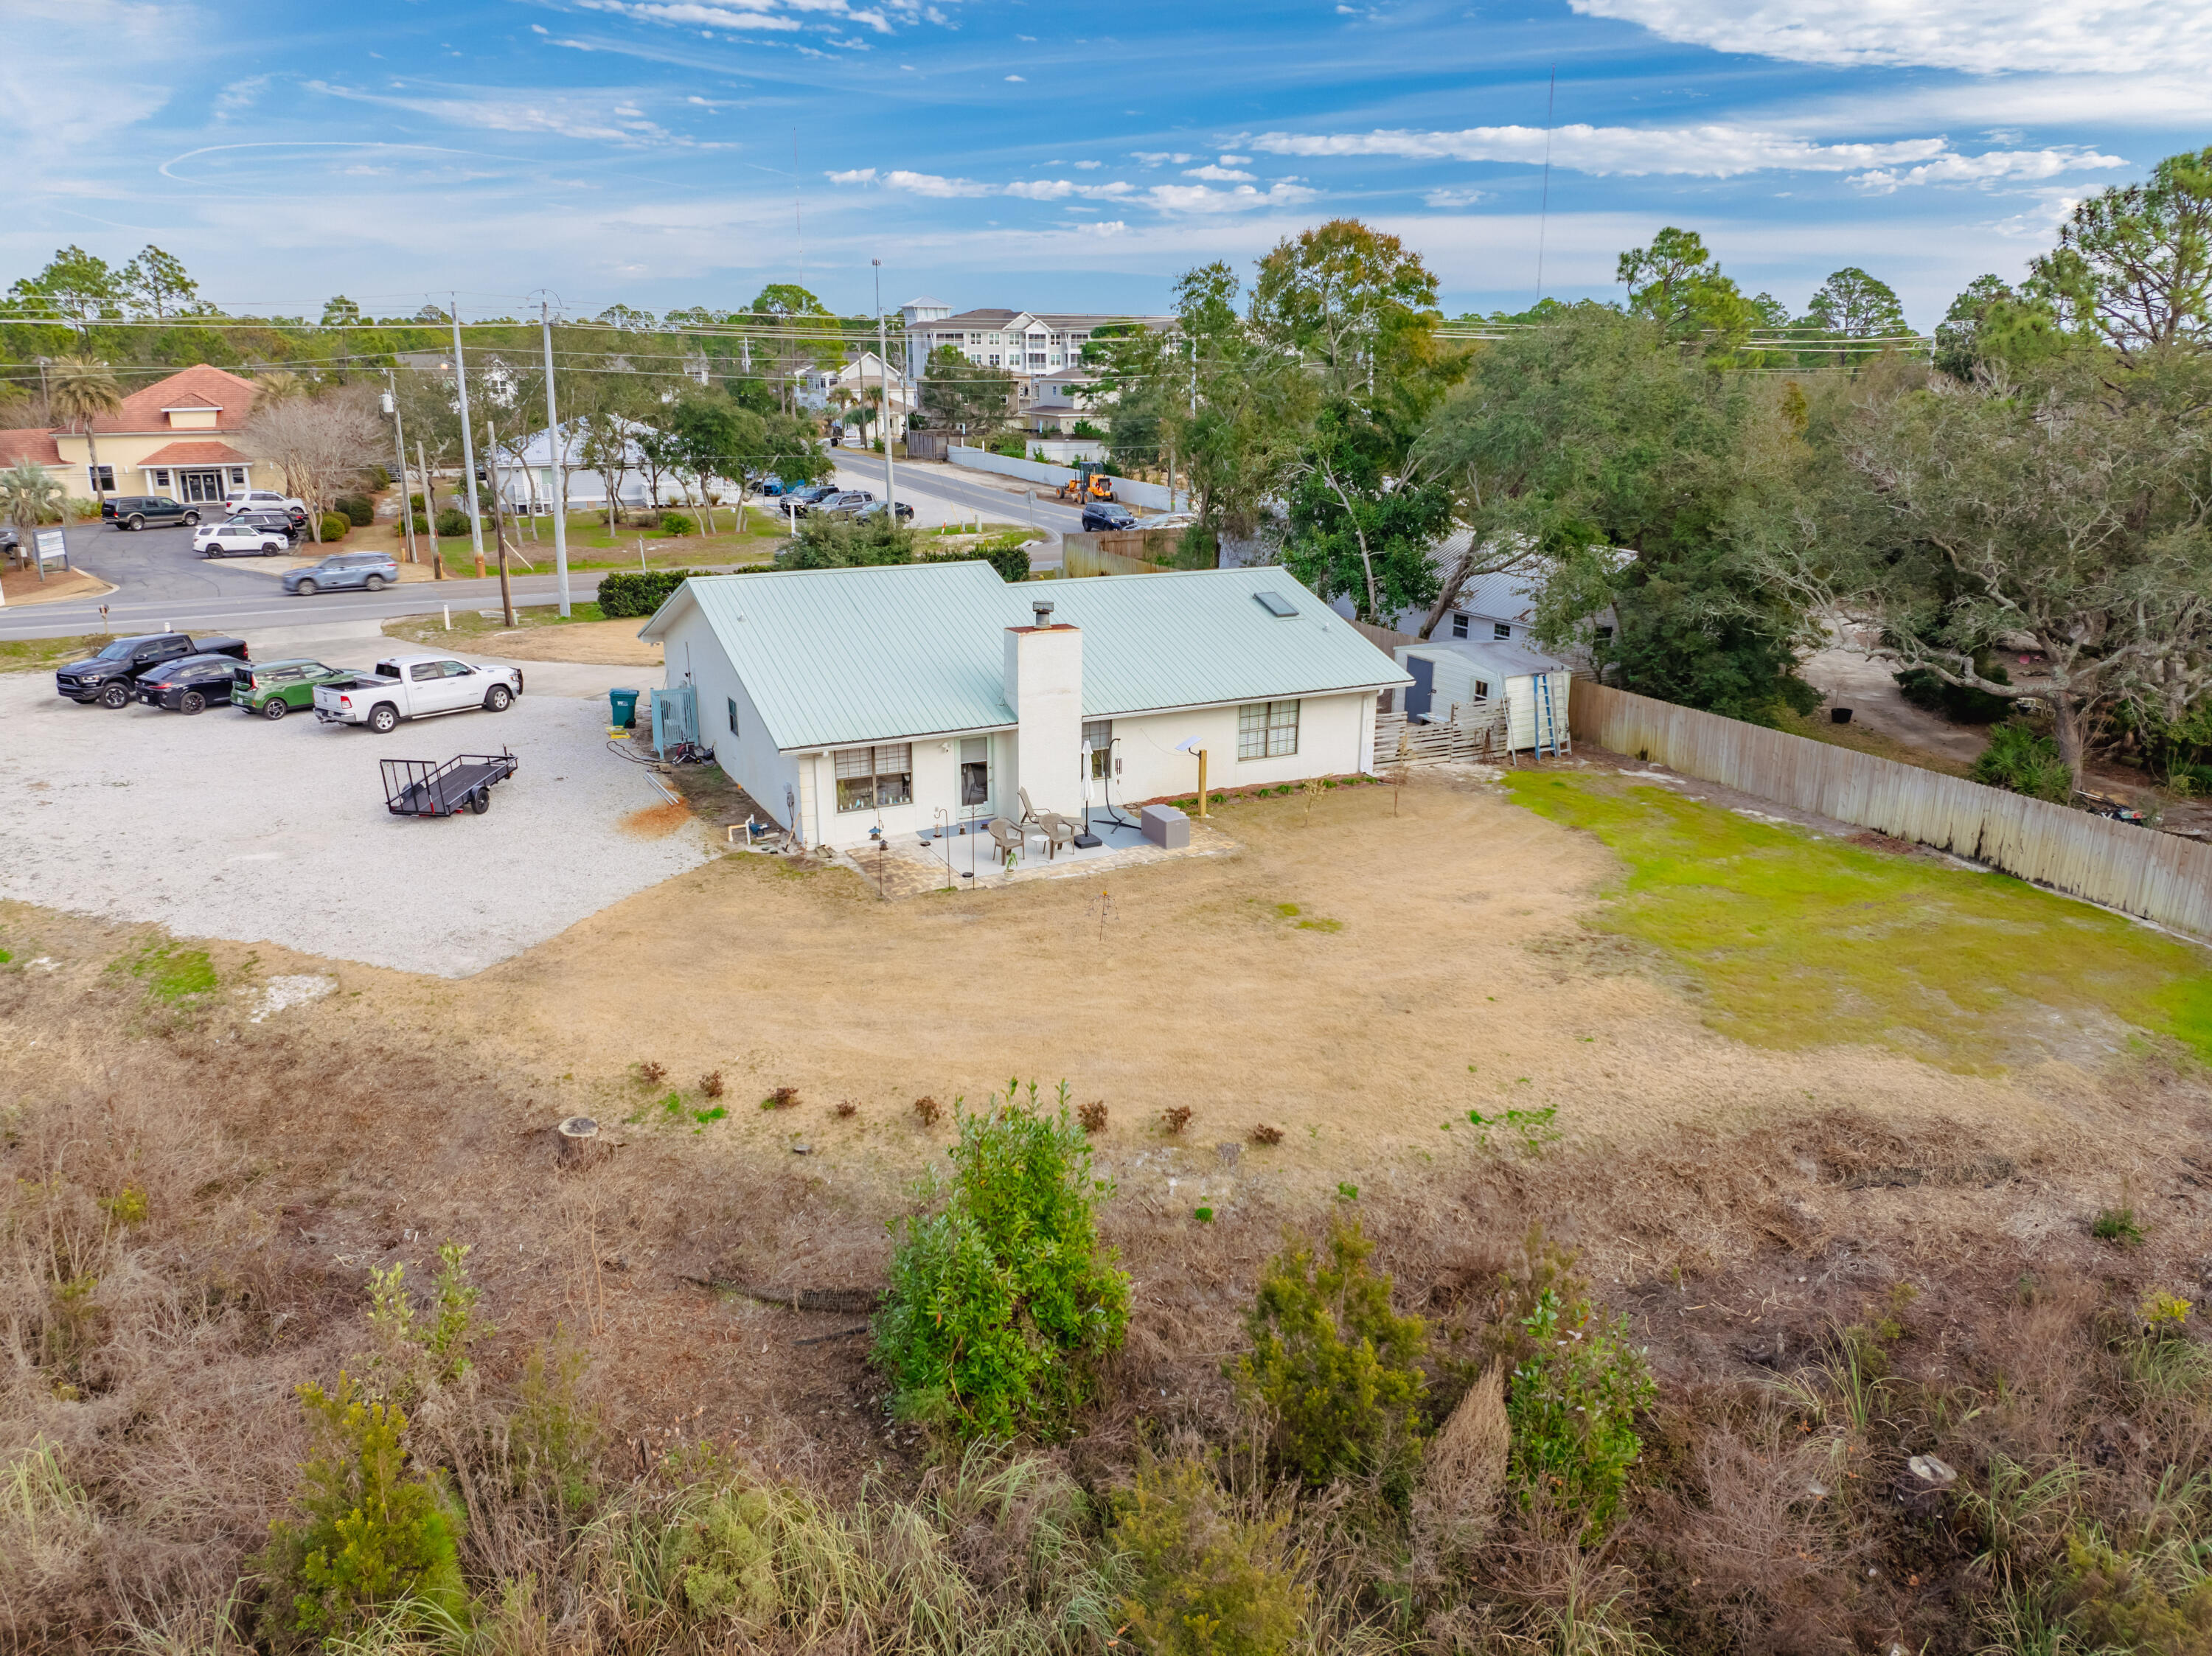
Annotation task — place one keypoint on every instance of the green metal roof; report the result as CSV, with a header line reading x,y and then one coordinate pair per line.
x,y
834,657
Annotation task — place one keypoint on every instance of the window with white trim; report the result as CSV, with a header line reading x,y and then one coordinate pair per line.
x,y
975,770
1499,629
1266,729
1458,625
160,479
1099,733
238,474
103,479
868,778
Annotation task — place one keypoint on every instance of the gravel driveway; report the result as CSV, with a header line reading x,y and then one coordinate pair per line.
x,y
227,826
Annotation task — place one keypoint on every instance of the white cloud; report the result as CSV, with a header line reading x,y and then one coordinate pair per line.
x,y
1160,157
1016,78
1455,197
941,188
1089,167
755,14
1996,165
237,96
1979,36
55,115
1108,227
1220,174
1718,151
1235,161
567,114
1203,198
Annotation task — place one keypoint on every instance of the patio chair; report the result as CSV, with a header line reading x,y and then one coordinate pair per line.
x,y
1058,831
1009,838
1029,811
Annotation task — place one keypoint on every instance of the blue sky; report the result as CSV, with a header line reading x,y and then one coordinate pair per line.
x,y
993,152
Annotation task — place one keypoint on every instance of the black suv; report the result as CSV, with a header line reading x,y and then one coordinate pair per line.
x,y
189,685
290,524
111,677
136,510
1105,515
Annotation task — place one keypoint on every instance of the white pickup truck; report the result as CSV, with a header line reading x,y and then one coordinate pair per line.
x,y
416,687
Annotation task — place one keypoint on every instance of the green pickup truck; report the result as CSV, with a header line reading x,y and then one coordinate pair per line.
x,y
273,688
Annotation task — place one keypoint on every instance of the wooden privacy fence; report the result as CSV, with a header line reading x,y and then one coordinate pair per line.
x,y
2161,877
1474,735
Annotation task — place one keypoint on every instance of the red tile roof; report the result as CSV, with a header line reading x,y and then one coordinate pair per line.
x,y
34,443
197,386
195,454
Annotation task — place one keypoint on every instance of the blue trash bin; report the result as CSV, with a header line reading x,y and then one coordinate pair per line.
x,y
623,704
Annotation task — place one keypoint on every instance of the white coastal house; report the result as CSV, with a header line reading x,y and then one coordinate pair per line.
x,y
855,384
528,479
852,701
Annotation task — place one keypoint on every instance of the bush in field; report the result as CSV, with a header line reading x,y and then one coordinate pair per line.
x,y
2019,759
335,524
1001,1300
1572,1405
1207,1581
370,1530
676,522
452,521
1009,554
639,592
357,509
1337,1367
376,480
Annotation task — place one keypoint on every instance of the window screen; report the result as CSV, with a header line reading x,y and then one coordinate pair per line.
x,y
869,779
976,770
1266,729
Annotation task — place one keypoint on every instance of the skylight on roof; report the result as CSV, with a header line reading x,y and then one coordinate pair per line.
x,y
1276,605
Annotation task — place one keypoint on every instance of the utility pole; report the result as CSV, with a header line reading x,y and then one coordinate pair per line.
x,y
883,362
498,516
556,448
399,448
430,511
468,443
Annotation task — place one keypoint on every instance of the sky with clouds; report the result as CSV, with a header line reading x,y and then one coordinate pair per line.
x,y
668,153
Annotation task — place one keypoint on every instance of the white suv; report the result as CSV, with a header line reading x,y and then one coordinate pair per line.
x,y
231,540
261,499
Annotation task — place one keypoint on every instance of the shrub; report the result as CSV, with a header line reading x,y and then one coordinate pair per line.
x,y
336,526
1093,1116
844,544
1266,1134
421,523
1008,555
1572,1406
638,592
419,1356
2019,759
1960,703
369,1530
1175,1119
926,1110
357,509
1002,1300
1337,1368
1206,1581
376,480
1012,447
676,522
82,509
452,521
711,1084
2117,1225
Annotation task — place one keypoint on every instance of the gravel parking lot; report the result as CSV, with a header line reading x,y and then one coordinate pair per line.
x,y
227,826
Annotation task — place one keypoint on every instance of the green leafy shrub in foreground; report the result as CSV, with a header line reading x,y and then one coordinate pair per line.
x,y
1002,1300
1207,1581
452,521
2019,759
335,526
370,1530
676,523
639,592
1572,1406
357,509
1337,1367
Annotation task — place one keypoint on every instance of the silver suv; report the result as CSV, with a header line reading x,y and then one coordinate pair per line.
x,y
370,571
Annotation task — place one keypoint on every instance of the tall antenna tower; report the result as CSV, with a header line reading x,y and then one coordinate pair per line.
x,y
1544,212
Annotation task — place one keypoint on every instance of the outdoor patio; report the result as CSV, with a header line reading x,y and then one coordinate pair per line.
x,y
908,865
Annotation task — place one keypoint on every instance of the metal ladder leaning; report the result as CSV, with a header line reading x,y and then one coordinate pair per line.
x,y
1548,740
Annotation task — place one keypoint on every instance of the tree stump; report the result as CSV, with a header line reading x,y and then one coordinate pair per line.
x,y
580,1143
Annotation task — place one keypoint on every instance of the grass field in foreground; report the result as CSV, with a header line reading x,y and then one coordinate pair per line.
x,y
1799,940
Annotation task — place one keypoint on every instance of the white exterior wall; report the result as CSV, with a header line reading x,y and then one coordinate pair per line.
x,y
1336,738
693,654
1044,686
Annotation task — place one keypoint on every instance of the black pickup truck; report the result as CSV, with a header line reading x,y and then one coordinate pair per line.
x,y
111,678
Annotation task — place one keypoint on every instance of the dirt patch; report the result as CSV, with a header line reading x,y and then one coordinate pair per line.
x,y
22,586
657,822
596,643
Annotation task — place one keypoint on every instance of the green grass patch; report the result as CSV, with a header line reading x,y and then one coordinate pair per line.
x,y
28,655
170,974
1799,941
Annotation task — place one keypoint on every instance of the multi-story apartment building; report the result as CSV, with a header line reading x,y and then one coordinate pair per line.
x,y
1031,345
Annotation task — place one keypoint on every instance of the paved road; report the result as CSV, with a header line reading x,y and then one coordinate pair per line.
x,y
919,478
159,579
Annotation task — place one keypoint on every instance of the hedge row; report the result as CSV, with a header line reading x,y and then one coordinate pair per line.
x,y
639,592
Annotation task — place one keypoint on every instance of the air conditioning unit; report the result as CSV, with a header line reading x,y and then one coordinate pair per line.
x,y
675,717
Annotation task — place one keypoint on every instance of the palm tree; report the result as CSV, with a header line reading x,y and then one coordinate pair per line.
x,y
83,391
28,493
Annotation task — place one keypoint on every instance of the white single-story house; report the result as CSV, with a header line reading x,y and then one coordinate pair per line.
x,y
1448,673
901,696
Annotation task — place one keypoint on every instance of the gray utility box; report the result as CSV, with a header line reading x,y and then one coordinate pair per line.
x,y
1166,827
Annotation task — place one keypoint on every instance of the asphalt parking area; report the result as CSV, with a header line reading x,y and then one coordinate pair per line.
x,y
227,826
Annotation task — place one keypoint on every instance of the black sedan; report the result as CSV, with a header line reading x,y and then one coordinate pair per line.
x,y
190,684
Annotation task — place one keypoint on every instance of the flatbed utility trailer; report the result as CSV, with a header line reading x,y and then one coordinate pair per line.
x,y
422,787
